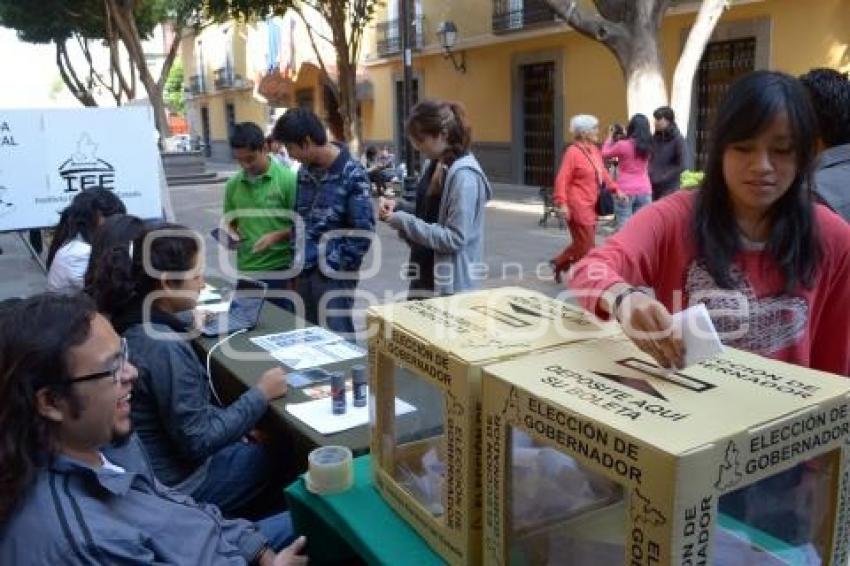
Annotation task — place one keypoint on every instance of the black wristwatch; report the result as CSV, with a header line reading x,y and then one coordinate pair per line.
x,y
618,300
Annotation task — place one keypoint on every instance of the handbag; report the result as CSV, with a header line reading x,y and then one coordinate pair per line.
x,y
604,198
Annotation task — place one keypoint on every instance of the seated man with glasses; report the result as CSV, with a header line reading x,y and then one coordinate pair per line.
x,y
75,485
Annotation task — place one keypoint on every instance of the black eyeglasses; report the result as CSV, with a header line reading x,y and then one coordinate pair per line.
x,y
115,372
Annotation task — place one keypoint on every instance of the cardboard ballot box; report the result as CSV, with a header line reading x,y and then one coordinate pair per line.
x,y
427,464
593,455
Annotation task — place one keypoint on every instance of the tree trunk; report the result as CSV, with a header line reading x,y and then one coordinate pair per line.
x,y
129,88
158,105
644,74
69,76
170,57
345,39
347,82
111,39
122,14
629,29
645,90
683,78
346,62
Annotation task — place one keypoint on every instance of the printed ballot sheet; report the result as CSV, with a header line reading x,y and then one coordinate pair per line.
x,y
308,347
318,414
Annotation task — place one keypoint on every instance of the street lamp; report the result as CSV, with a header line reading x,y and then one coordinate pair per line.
x,y
447,32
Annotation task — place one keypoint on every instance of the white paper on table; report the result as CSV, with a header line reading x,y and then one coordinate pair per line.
x,y
303,357
300,336
308,347
698,334
319,416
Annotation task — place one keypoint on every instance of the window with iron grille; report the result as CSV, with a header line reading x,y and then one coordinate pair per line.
x,y
389,31
514,15
538,120
722,63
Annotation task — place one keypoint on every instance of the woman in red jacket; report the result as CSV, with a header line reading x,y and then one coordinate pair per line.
x,y
577,188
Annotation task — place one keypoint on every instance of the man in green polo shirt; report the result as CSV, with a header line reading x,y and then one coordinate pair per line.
x,y
258,203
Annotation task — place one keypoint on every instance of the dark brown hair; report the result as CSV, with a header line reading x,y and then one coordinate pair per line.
x,y
120,279
434,117
36,336
750,106
80,218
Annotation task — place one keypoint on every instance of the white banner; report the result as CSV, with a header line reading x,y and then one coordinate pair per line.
x,y
48,156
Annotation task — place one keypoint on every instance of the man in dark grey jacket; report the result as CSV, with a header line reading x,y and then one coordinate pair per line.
x,y
194,445
830,94
669,154
76,486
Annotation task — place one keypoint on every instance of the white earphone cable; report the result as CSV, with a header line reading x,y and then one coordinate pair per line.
x,y
209,359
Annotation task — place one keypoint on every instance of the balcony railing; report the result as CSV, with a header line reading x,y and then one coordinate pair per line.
x,y
196,84
389,36
514,15
223,77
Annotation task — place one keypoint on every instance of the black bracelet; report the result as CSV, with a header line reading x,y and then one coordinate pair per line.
x,y
618,300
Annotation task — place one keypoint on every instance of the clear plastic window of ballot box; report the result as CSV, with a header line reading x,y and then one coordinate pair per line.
x,y
562,513
420,443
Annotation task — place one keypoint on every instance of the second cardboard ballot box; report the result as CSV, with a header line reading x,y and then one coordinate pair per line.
x,y
427,463
593,455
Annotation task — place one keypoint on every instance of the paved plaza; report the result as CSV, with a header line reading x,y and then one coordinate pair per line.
x,y
517,248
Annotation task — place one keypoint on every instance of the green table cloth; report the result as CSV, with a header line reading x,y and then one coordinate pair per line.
x,y
354,524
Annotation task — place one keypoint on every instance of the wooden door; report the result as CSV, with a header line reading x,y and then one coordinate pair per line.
x,y
538,124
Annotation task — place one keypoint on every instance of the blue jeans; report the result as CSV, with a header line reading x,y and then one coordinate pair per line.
x,y
278,530
237,475
624,208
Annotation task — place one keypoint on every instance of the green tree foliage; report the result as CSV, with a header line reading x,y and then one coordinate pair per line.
x,y
128,22
173,95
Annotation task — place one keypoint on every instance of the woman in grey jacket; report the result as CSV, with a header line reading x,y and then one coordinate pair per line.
x,y
194,445
445,227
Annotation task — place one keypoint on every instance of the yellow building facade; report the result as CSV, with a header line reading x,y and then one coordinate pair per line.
x,y
527,73
249,72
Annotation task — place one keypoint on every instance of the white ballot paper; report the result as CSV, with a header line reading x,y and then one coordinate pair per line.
x,y
308,347
319,416
698,334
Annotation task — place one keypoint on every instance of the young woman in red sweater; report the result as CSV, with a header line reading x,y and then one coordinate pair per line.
x,y
772,267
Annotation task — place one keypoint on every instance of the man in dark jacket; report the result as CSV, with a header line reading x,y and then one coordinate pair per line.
x,y
830,94
77,488
669,154
338,219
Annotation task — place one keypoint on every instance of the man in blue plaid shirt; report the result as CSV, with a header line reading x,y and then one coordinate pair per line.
x,y
339,221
